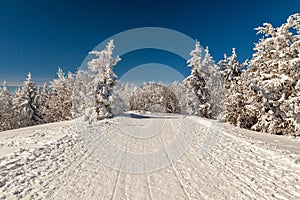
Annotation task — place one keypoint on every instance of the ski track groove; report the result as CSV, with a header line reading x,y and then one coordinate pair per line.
x,y
191,163
175,170
119,173
195,167
125,192
147,176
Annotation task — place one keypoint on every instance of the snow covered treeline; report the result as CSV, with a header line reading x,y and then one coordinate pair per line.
x,y
153,94
86,93
261,94
32,105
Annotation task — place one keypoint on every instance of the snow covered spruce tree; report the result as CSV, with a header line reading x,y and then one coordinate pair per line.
x,y
214,84
103,80
231,69
211,70
44,99
196,90
6,111
26,104
273,76
83,96
234,103
60,102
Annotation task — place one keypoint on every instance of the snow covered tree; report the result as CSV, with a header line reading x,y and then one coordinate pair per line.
x,y
214,84
211,70
196,90
231,71
6,111
83,96
273,76
60,102
104,79
231,68
44,103
93,88
26,104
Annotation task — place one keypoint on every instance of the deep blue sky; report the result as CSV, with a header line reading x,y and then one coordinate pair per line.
x,y
39,36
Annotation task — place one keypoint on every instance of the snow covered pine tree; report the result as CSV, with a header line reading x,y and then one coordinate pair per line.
x,y
6,111
44,99
83,96
60,102
26,104
104,79
231,71
196,91
214,84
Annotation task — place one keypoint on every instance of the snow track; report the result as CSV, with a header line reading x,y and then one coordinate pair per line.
x,y
220,162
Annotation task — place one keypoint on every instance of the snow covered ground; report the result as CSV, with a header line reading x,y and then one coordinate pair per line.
x,y
197,159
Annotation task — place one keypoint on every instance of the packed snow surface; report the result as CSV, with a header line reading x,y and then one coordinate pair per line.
x,y
212,161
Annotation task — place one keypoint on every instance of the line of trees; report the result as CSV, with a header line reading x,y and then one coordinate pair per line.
x,y
262,94
32,105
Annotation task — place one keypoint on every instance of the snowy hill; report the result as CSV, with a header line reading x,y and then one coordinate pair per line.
x,y
198,159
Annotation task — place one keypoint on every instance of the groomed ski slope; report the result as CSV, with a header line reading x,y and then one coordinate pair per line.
x,y
210,161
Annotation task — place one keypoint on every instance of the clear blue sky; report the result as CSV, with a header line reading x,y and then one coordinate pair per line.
x,y
39,36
